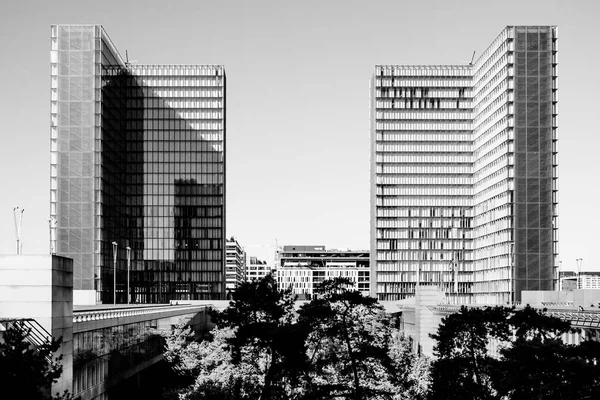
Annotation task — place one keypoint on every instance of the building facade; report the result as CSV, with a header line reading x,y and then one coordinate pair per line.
x,y
570,280
137,172
257,269
303,268
464,172
236,265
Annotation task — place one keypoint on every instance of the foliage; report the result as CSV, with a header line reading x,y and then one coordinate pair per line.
x,y
539,365
339,345
256,351
29,370
211,367
531,361
412,371
463,367
263,321
347,345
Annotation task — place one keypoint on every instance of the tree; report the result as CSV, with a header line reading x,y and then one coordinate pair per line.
x,y
412,372
257,351
463,367
347,345
29,370
539,365
209,364
532,361
263,320
339,345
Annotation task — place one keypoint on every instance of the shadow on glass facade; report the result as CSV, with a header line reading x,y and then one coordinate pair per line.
x,y
109,351
137,158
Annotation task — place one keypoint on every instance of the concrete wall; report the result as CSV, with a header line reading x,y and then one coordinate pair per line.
x,y
580,297
535,298
586,298
425,320
41,287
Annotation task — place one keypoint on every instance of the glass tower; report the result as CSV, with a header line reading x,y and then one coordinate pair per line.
x,y
137,171
463,173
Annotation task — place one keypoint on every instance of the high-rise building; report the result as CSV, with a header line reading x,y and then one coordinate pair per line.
x,y
236,265
302,268
464,172
137,172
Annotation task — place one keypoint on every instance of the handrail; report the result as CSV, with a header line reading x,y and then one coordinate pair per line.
x,y
36,334
577,318
94,315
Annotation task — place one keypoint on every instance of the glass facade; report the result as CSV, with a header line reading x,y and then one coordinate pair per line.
x,y
137,158
101,354
112,345
535,175
463,173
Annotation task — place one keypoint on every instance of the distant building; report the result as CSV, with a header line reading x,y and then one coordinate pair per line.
x,y
302,268
257,269
235,272
586,280
568,283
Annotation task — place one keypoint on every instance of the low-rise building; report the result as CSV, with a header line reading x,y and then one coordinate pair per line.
x,y
303,268
570,280
257,269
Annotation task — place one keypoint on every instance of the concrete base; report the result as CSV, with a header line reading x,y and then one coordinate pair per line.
x,y
41,287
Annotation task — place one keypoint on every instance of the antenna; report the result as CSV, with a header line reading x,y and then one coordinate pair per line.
x,y
18,215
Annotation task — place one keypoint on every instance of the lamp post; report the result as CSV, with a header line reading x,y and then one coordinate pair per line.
x,y
128,267
18,216
579,261
114,245
559,278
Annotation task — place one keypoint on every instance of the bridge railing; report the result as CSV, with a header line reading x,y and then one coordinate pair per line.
x,y
109,313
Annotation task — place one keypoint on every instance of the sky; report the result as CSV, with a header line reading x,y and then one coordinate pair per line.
x,y
297,102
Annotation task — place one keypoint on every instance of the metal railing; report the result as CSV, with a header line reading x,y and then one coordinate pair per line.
x,y
94,315
577,318
34,333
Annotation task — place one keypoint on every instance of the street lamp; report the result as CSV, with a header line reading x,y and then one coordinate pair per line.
x,y
579,261
18,216
114,244
128,267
